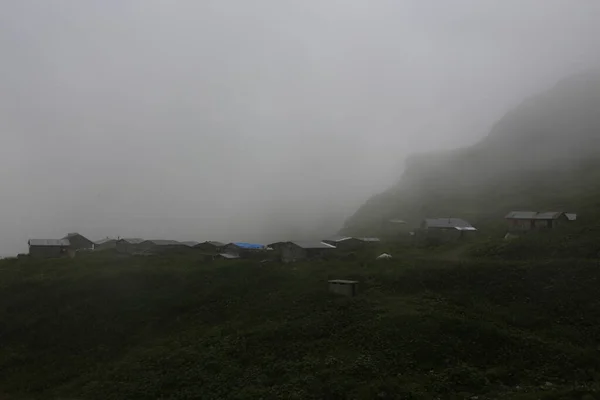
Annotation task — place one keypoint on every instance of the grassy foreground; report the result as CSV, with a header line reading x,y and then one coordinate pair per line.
x,y
171,327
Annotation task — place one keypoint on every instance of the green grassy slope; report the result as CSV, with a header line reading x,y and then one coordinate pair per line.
x,y
543,155
170,327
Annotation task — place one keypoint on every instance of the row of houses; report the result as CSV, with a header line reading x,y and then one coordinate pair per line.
x,y
442,228
286,251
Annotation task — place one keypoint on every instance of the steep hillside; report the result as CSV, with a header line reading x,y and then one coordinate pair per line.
x,y
108,327
544,154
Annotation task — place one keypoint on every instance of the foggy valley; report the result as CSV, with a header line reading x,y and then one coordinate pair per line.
x,y
229,120
285,199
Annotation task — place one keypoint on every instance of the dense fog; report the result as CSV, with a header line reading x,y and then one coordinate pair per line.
x,y
252,120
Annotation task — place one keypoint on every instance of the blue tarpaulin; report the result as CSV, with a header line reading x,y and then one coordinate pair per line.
x,y
249,245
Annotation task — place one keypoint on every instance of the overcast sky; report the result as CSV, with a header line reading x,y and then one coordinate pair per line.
x,y
252,120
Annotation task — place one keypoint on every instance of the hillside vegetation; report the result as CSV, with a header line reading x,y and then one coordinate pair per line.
x,y
103,326
543,155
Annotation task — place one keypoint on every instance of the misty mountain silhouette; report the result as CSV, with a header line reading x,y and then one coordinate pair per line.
x,y
544,154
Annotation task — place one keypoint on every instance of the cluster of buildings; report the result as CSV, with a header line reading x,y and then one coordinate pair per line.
x,y
284,251
518,222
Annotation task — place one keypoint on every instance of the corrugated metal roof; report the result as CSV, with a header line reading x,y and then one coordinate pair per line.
x,y
50,242
229,256
521,215
165,242
369,239
533,215
105,240
251,246
132,240
447,223
338,238
549,215
313,245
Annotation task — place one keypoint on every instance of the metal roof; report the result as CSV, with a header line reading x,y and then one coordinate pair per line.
x,y
105,240
313,245
397,221
229,256
533,215
369,239
190,243
164,242
214,243
455,223
342,281
571,216
132,240
251,246
50,242
338,238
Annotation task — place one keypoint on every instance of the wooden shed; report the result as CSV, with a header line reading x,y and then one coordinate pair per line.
x,y
79,242
343,287
50,248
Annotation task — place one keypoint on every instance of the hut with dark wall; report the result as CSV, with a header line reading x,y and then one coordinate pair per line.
x,y
105,244
524,221
210,247
129,246
79,242
245,250
49,248
297,251
445,229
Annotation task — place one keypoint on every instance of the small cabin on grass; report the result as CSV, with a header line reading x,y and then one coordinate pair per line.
x,y
129,246
344,243
79,242
297,251
211,246
50,248
446,229
347,243
524,221
244,250
343,287
105,244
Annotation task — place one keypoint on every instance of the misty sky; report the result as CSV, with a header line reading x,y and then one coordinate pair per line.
x,y
252,120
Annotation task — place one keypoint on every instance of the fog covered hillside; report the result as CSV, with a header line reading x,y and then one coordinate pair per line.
x,y
544,154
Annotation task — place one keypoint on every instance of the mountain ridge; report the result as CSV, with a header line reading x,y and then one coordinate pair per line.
x,y
543,154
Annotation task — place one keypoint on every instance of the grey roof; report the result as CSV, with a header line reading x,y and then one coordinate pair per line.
x,y
132,240
72,234
455,223
338,238
342,281
369,239
571,216
397,221
190,243
105,240
229,256
164,242
214,243
49,242
533,215
313,245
